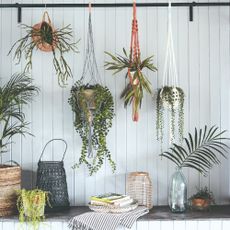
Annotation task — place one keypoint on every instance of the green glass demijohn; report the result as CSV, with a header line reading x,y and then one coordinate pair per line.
x,y
178,192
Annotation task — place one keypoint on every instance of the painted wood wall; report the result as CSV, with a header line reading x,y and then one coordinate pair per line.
x,y
203,59
145,225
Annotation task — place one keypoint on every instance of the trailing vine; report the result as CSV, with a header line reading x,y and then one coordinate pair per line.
x,y
31,204
99,119
171,98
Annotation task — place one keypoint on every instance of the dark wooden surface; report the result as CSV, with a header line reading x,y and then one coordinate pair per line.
x,y
162,213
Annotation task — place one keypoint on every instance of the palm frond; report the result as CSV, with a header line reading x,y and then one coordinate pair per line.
x,y
201,150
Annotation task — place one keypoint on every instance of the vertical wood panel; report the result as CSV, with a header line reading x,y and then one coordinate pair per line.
x,y
202,52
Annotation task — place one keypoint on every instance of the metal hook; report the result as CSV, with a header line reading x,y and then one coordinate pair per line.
x,y
19,13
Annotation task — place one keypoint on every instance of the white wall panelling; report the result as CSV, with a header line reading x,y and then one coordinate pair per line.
x,y
140,225
203,57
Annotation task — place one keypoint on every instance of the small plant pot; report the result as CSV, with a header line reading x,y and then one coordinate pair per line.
x,y
89,95
173,95
35,206
200,204
42,45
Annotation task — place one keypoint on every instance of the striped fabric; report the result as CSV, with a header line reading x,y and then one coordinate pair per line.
x,y
106,221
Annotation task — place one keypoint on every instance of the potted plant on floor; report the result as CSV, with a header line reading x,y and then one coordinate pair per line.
x,y
17,92
138,82
45,37
202,199
93,107
200,152
31,206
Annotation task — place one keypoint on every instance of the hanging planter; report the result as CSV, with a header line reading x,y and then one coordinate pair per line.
x,y
45,37
138,82
93,124
93,106
170,97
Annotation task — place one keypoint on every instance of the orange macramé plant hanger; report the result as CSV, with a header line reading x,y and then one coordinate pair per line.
x,y
138,82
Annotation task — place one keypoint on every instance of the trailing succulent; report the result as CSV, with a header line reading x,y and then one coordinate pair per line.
x,y
42,36
200,150
31,204
134,91
93,124
171,98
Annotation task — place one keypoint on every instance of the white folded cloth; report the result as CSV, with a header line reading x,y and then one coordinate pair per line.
x,y
106,221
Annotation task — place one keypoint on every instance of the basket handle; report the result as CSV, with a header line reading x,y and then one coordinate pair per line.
x,y
46,15
12,162
55,139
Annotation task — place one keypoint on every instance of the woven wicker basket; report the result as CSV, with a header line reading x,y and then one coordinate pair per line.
x,y
10,181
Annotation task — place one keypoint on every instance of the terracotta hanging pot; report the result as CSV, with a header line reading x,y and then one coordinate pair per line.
x,y
43,34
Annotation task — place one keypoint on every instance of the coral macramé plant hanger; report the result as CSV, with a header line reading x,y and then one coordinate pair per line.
x,y
138,82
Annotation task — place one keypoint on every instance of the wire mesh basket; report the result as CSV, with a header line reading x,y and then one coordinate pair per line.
x,y
139,187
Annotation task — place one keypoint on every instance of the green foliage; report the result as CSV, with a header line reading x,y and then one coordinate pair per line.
x,y
200,151
130,92
17,92
171,98
31,204
203,193
58,38
100,119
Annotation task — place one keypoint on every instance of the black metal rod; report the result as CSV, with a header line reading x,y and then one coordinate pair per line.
x,y
112,5
191,5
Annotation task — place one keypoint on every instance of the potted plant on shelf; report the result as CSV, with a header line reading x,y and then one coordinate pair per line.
x,y
172,99
202,199
31,206
200,152
138,82
15,94
93,107
45,37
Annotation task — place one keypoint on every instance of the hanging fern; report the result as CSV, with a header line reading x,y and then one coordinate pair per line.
x,y
200,151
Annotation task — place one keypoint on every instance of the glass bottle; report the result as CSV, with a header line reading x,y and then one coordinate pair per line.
x,y
178,192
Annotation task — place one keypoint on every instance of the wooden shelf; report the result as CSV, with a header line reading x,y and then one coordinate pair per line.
x,y
158,213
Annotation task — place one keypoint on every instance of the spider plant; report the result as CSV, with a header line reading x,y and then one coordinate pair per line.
x,y
17,92
200,150
44,37
134,91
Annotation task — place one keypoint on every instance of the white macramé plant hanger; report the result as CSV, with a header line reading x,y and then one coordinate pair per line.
x,y
170,97
170,75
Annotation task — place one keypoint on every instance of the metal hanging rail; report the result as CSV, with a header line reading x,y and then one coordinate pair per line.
x,y
190,5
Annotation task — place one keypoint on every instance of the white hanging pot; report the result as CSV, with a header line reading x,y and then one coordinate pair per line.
x,y
170,97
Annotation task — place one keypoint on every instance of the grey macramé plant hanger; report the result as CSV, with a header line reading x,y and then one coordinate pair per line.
x,y
170,97
93,106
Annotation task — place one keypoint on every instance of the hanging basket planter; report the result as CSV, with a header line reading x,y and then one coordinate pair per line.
x,y
170,97
92,122
138,83
44,34
93,106
46,38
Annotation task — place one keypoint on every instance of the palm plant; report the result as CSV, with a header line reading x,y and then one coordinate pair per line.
x,y
18,91
200,151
